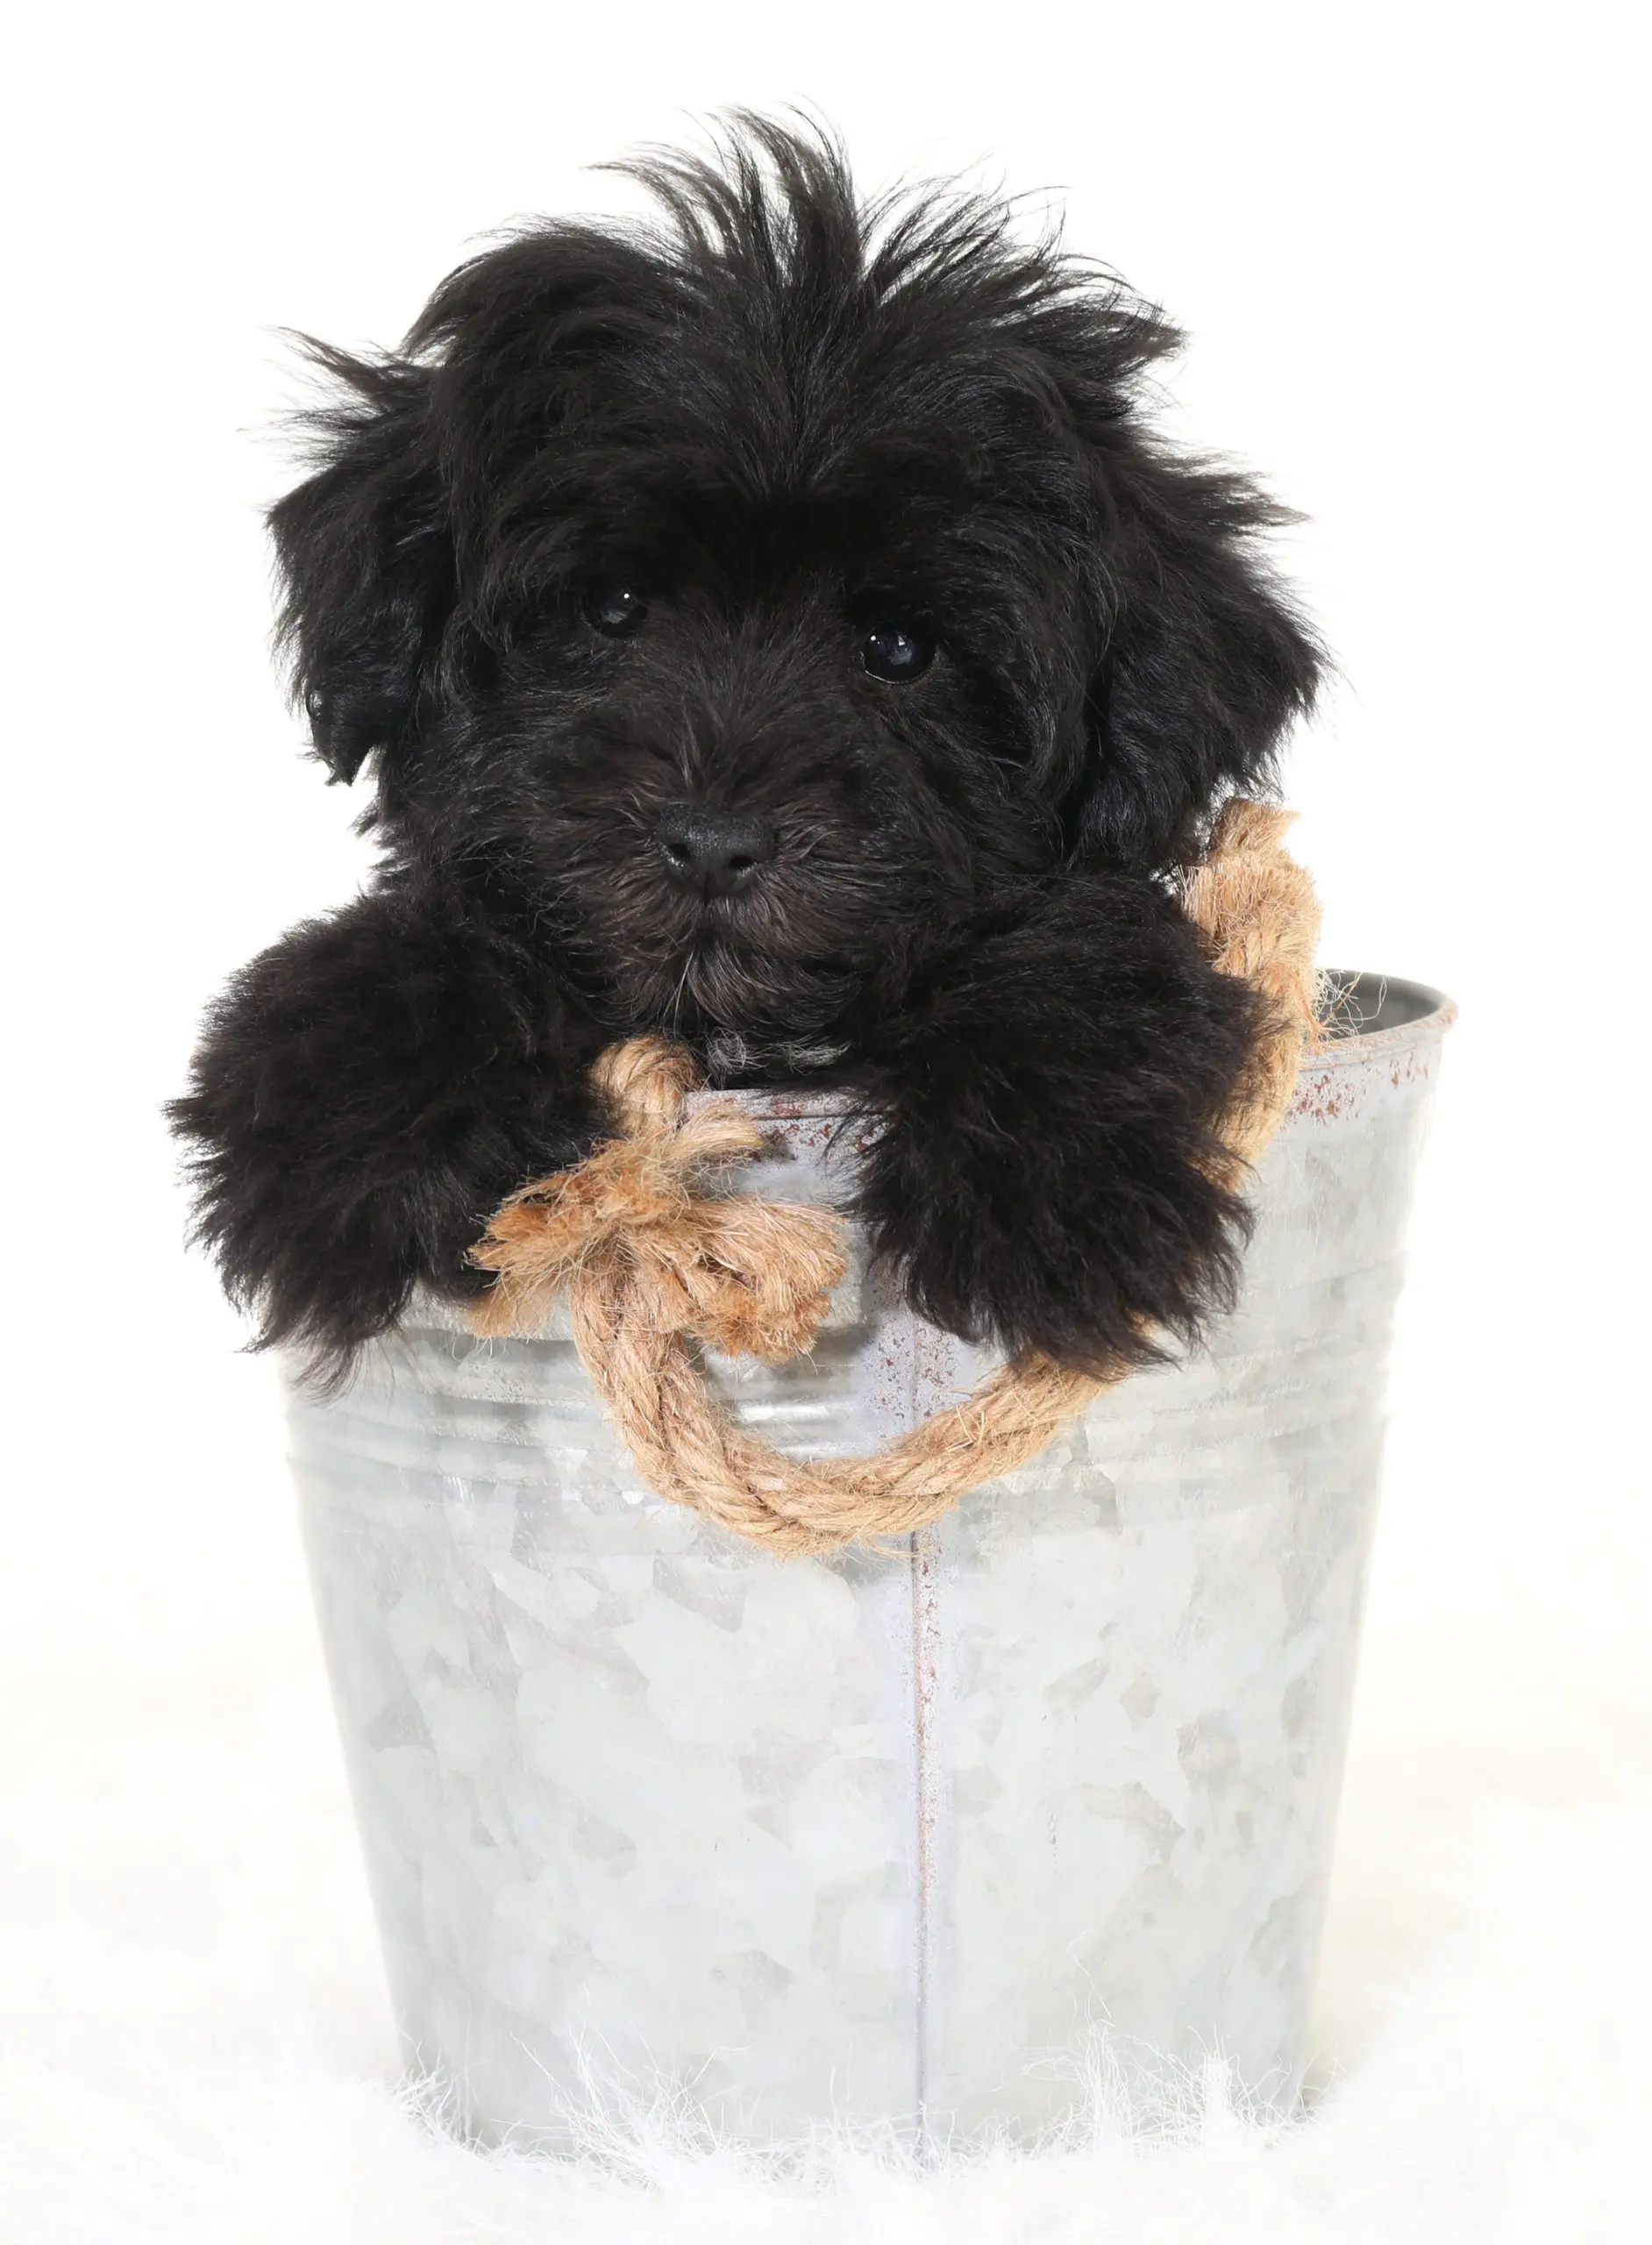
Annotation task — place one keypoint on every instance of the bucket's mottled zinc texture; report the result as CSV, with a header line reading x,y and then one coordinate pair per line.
x,y
888,1836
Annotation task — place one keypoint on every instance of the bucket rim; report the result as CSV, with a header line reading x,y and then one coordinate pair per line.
x,y
1430,1014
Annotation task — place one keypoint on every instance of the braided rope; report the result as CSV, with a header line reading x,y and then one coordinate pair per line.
x,y
653,1262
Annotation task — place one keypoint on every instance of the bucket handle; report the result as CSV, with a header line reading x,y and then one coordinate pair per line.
x,y
654,1260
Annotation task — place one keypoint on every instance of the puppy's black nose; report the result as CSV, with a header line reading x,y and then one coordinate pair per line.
x,y
716,851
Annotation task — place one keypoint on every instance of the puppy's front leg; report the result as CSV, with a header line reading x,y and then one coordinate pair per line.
x,y
366,1092
1050,1091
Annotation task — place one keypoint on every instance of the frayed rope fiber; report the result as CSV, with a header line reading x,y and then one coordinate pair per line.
x,y
653,1260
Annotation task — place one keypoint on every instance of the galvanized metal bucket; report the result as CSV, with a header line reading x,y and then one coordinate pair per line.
x,y
890,1836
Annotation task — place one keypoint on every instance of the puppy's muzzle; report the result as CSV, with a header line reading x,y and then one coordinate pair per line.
x,y
713,853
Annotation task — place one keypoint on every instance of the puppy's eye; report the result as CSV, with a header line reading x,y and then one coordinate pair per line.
x,y
617,610
895,652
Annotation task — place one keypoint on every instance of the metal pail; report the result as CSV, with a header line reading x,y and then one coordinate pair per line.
x,y
888,1836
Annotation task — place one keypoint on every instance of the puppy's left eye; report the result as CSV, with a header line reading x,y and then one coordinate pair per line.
x,y
617,610
897,652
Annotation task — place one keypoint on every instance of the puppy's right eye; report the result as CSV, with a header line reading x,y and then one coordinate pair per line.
x,y
895,652
615,610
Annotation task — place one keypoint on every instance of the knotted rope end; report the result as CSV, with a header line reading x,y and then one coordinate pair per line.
x,y
637,1222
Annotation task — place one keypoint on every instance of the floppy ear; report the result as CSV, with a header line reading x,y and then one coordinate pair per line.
x,y
1205,661
365,554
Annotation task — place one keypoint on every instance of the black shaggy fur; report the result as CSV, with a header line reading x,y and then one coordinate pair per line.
x,y
779,628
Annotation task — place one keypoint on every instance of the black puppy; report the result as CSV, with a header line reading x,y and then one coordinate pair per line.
x,y
778,629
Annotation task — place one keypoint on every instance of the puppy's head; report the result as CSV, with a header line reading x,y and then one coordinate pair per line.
x,y
746,598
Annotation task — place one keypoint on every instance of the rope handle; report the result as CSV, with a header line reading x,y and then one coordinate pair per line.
x,y
653,1262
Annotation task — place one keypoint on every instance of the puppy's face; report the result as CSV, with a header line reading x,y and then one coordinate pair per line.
x,y
742,800
747,607
769,720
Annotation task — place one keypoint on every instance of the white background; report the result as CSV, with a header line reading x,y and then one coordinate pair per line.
x,y
1404,241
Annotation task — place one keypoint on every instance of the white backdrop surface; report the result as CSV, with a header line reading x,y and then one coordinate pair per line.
x,y
1404,241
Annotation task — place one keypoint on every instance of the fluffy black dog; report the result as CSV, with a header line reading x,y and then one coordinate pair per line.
x,y
778,629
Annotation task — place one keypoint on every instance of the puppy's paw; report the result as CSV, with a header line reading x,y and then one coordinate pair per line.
x,y
1092,1248
1045,1177
323,1256
367,1092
